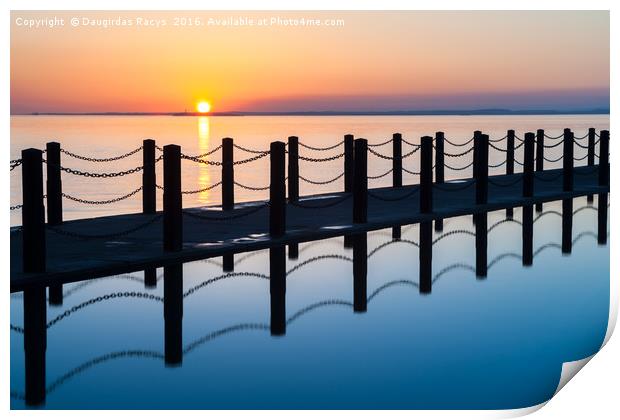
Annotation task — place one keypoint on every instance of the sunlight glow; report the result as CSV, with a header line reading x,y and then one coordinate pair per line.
x,y
203,107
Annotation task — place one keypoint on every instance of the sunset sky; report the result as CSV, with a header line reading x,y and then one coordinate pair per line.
x,y
377,61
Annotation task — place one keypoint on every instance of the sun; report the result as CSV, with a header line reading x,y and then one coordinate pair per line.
x,y
203,107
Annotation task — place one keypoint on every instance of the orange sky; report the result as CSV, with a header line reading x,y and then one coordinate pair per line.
x,y
376,61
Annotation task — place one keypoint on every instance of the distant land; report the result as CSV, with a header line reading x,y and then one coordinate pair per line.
x,y
492,111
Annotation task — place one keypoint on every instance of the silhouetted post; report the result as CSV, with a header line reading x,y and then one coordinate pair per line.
x,y
540,158
528,235
439,169
567,226
277,190
510,162
277,289
426,175
568,163
360,271
528,165
54,184
426,257
55,295
602,219
477,135
293,251
348,163
293,168
481,244
35,344
228,262
148,177
482,170
173,202
347,241
228,175
591,145
396,232
150,278
33,212
603,169
397,160
173,314
360,180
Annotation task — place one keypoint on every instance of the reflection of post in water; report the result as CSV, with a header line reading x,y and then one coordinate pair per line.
x,y
55,295
360,271
173,314
426,257
150,278
396,232
481,244
293,251
528,235
602,219
35,343
277,289
348,241
228,262
567,226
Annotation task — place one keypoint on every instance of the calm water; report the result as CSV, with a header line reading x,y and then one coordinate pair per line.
x,y
494,342
102,136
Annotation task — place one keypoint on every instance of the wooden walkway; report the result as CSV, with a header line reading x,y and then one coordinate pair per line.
x,y
72,258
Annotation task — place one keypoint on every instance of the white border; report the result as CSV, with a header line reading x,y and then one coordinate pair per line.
x,y
593,394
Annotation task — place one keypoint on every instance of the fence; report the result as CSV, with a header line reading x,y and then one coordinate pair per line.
x,y
354,154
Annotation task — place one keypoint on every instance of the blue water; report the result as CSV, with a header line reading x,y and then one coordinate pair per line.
x,y
494,342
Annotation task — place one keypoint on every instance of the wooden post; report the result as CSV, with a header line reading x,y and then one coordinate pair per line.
x,y
481,244
277,190
426,258
173,202
603,169
54,184
397,161
426,175
482,175
568,163
360,181
173,314
33,212
228,175
439,169
149,195
35,343
528,165
277,289
567,226
540,158
293,168
591,144
510,162
602,219
360,271
348,163
527,234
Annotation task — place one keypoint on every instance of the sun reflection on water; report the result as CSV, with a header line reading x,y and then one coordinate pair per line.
x,y
204,177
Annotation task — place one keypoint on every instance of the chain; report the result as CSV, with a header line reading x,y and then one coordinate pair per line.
x,y
210,187
554,138
108,235
453,232
110,159
319,258
16,207
498,165
459,144
210,152
326,159
580,145
458,169
15,163
508,184
580,138
402,197
321,149
410,172
98,175
230,217
546,146
459,154
410,144
499,149
381,144
517,162
329,181
199,160
552,160
257,152
321,206
113,200
498,140
380,176
247,187
460,186
415,149
581,158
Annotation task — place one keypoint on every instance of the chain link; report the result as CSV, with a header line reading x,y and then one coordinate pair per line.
x,y
553,138
329,181
229,217
92,159
326,159
321,149
108,235
98,175
547,146
257,152
15,163
381,144
499,164
581,158
580,145
459,154
95,202
410,172
210,152
459,144
247,187
457,168
498,140
381,175
499,149
552,160
16,207
410,144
